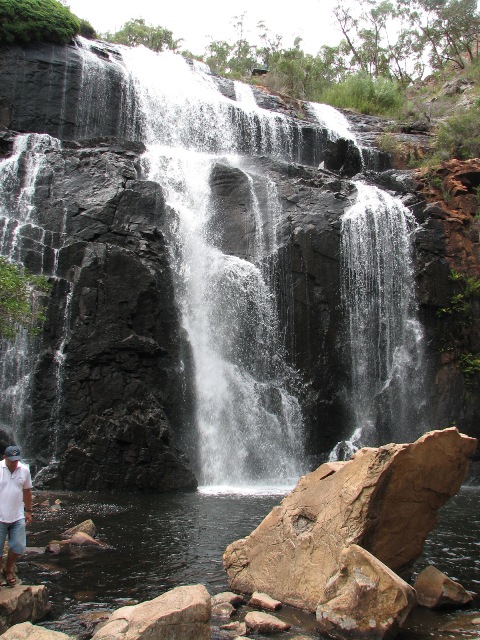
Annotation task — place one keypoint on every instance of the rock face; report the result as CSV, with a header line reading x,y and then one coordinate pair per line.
x,y
364,599
435,589
108,369
180,614
113,378
22,603
384,500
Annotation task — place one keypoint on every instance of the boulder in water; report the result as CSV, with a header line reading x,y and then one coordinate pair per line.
x,y
435,589
22,603
384,499
180,614
364,599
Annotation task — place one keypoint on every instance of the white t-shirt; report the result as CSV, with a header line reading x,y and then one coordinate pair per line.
x,y
11,491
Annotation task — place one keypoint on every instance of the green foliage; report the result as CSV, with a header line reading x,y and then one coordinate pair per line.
x,y
136,32
19,304
470,366
86,30
459,135
366,94
24,21
460,304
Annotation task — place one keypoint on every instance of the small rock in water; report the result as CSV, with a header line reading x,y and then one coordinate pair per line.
x,y
238,628
435,589
264,601
260,622
223,610
87,527
228,596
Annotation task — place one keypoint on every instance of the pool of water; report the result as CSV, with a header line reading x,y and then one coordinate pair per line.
x,y
158,542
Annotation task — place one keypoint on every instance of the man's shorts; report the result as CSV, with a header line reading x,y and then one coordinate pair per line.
x,y
16,533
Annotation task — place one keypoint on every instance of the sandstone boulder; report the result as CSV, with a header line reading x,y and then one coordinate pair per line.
x,y
435,589
21,604
29,631
180,614
259,622
364,599
385,499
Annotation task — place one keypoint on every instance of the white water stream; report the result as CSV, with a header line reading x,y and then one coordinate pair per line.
x,y
249,422
248,418
22,233
383,334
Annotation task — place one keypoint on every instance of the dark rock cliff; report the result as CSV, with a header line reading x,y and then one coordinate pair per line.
x,y
112,395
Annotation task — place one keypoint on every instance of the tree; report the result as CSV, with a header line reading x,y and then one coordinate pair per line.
x,y
26,21
447,29
136,32
20,306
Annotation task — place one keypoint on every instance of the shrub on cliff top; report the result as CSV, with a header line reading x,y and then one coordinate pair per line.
x,y
362,92
23,21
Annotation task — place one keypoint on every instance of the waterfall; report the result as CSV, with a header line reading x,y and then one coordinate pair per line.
x,y
24,239
248,418
383,335
334,121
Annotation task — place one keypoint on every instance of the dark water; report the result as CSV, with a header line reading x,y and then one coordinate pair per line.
x,y
162,541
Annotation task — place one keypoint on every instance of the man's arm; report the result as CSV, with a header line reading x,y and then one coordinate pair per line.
x,y
27,501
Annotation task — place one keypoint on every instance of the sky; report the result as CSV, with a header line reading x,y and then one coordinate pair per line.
x,y
199,22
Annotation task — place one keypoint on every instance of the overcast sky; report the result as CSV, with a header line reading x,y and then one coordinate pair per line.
x,y
198,22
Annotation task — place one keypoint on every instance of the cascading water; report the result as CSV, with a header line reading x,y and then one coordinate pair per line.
x,y
249,421
335,123
384,336
22,239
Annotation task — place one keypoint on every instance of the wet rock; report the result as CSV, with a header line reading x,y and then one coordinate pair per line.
x,y
87,527
28,631
237,628
264,601
385,499
235,599
54,547
259,622
223,610
435,589
21,604
364,599
183,613
82,539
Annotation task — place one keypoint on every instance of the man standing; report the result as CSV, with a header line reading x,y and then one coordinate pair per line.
x,y
15,508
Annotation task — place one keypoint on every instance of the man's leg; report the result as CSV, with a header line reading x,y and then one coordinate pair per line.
x,y
17,541
3,537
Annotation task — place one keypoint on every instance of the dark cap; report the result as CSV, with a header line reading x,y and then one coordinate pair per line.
x,y
13,452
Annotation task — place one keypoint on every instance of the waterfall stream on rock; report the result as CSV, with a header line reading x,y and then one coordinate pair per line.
x,y
23,239
248,418
249,424
384,336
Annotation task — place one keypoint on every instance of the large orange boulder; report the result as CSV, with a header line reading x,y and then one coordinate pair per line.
x,y
384,499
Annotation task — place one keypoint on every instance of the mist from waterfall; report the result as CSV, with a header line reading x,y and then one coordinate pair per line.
x,y
384,338
248,418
